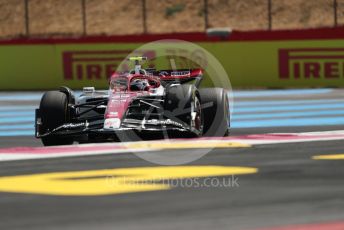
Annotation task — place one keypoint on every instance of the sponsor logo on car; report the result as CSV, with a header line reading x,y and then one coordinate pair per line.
x,y
311,63
112,123
179,73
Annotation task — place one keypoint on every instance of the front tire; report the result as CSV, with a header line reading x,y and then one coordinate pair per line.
x,y
54,112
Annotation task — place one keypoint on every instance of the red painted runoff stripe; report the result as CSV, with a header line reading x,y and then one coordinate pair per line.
x,y
321,226
298,34
20,153
269,138
283,137
259,35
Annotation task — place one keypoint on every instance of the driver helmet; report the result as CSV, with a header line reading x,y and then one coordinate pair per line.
x,y
139,85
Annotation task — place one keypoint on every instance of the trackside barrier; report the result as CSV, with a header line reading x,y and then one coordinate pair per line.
x,y
305,58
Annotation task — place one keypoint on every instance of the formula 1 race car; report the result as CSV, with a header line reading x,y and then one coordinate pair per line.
x,y
139,103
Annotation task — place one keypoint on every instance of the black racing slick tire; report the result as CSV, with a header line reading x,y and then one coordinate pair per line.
x,y
54,112
215,105
183,105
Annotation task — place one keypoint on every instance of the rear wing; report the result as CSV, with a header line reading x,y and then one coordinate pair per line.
x,y
178,76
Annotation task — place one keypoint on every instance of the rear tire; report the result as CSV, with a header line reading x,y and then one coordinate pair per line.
x,y
215,105
54,112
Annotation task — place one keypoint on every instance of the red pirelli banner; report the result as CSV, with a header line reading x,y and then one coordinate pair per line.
x,y
305,58
308,63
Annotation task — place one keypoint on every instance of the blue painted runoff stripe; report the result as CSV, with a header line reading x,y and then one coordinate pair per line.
x,y
288,108
17,119
289,122
287,114
17,133
285,102
18,108
13,127
16,112
20,114
282,92
22,97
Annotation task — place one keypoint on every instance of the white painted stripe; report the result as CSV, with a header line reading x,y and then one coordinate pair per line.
x,y
117,148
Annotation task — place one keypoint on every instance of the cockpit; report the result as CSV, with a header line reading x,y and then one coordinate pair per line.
x,y
136,84
137,79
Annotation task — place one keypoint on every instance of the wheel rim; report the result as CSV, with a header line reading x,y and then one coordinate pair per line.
x,y
196,115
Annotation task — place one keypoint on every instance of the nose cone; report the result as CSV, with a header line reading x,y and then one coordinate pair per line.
x,y
118,104
112,123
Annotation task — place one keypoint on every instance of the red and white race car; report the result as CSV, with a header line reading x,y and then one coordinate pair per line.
x,y
141,103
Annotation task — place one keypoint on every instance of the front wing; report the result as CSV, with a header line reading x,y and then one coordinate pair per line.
x,y
95,128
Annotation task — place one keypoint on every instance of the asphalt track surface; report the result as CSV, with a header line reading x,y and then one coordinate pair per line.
x,y
290,188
